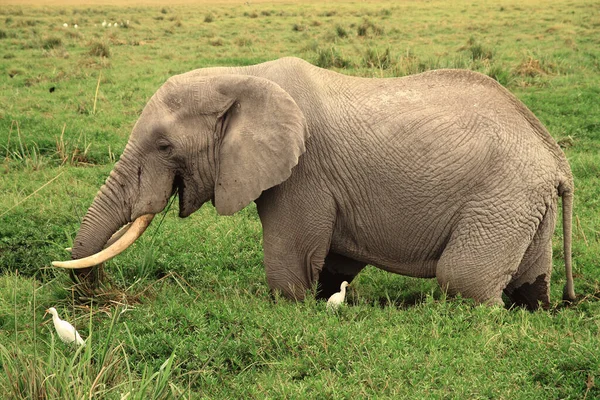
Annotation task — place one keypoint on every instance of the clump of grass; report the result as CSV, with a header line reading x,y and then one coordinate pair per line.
x,y
298,27
373,58
243,41
252,14
531,67
500,74
331,58
477,51
3,34
99,49
164,10
367,26
266,13
329,13
51,43
20,153
208,18
341,32
217,42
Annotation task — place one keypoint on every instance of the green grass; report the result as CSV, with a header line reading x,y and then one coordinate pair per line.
x,y
197,301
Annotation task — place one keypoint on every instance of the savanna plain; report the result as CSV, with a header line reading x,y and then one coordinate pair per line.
x,y
186,312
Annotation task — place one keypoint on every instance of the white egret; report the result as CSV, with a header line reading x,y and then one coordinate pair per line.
x,y
109,24
65,330
103,23
65,25
337,299
75,26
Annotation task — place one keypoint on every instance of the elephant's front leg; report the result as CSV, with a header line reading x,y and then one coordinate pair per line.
x,y
296,240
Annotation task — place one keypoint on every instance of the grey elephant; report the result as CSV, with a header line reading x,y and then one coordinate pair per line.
x,y
442,174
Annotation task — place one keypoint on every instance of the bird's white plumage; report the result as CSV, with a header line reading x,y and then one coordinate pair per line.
x,y
66,331
337,299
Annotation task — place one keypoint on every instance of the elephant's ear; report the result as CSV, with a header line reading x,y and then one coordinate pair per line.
x,y
263,135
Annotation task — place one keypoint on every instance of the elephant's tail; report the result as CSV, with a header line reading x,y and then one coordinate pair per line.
x,y
566,192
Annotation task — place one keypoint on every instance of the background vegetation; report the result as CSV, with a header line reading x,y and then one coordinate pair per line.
x,y
187,312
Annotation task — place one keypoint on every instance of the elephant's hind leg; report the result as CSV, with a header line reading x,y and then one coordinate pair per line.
x,y
530,286
337,269
480,260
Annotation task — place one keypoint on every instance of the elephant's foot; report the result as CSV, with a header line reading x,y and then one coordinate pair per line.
x,y
531,295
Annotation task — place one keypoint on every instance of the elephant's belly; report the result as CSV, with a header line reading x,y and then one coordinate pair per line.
x,y
398,243
399,263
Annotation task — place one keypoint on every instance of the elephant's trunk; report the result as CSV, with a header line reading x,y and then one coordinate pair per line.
x,y
110,211
125,240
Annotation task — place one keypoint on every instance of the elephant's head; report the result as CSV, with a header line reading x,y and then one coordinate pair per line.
x,y
224,138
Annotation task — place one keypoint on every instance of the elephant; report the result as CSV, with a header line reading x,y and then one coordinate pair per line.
x,y
443,174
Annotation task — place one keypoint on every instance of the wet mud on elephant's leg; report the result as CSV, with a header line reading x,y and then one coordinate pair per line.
x,y
530,287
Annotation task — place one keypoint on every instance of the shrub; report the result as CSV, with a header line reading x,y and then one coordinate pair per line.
x,y
209,18
99,49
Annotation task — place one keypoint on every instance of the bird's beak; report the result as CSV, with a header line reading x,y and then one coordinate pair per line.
x,y
46,313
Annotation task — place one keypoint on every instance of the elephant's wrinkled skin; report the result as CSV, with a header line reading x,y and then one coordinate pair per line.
x,y
443,174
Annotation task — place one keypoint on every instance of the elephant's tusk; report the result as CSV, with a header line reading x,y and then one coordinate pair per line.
x,y
123,242
117,235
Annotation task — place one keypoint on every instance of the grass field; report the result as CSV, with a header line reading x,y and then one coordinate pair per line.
x,y
187,312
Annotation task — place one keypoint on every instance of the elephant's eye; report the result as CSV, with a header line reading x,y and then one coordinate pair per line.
x,y
164,146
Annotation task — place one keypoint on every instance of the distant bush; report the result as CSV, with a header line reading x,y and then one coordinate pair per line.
x,y
51,43
99,49
266,13
209,18
164,10
3,34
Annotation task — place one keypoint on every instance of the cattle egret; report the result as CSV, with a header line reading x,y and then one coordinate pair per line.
x,y
65,330
75,26
103,23
337,299
109,24
65,25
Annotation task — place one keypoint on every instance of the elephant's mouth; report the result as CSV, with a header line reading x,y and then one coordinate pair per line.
x,y
179,190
